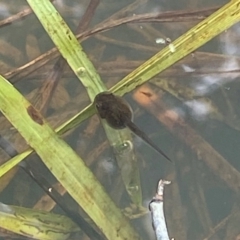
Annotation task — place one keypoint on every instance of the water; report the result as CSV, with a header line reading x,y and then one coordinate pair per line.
x,y
202,91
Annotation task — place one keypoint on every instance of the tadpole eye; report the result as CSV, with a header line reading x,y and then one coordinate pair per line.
x,y
99,105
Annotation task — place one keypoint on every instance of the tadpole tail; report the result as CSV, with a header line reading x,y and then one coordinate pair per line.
x,y
144,136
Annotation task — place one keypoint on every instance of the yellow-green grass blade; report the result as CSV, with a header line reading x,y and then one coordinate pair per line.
x,y
70,124
216,23
184,45
75,120
35,223
13,162
65,164
72,51
126,159
197,36
68,45
127,162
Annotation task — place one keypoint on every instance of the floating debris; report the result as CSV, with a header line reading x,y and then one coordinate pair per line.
x,y
160,41
156,208
172,48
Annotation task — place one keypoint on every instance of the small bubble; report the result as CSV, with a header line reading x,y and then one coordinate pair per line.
x,y
124,147
160,41
168,40
81,70
172,48
133,188
187,68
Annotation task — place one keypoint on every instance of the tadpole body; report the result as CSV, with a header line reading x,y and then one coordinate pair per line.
x,y
118,114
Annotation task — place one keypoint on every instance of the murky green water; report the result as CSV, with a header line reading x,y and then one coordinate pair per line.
x,y
200,94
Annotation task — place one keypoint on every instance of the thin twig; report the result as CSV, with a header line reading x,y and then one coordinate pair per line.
x,y
150,17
